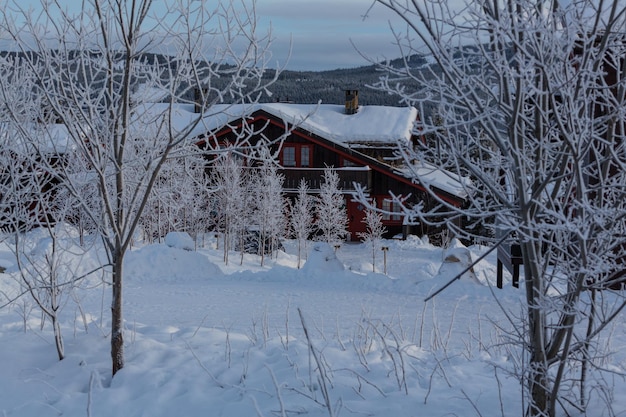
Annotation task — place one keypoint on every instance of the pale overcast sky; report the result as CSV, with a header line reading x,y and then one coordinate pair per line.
x,y
320,31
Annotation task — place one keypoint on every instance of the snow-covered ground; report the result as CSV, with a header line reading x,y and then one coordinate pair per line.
x,y
206,339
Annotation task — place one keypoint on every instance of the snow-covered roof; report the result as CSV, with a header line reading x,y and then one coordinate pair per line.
x,y
432,176
371,124
49,138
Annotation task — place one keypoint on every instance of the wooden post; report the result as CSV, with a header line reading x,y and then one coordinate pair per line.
x,y
385,249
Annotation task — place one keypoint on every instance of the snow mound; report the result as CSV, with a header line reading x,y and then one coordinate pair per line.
x,y
180,240
162,263
321,260
456,259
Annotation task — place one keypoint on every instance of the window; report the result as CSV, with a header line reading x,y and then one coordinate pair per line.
x,y
391,207
296,155
305,156
289,156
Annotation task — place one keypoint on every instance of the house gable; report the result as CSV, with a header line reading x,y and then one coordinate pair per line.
x,y
327,152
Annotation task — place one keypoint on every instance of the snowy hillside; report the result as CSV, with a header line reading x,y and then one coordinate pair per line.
x,y
206,339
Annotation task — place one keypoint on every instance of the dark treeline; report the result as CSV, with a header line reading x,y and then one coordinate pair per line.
x,y
309,87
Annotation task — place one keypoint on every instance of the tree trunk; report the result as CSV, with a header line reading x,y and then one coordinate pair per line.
x,y
299,252
117,317
538,380
58,338
539,391
586,359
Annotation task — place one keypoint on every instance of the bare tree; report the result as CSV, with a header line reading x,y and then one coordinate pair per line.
x,y
374,232
268,212
196,214
46,273
301,217
45,250
331,218
178,199
96,76
228,182
535,90
84,211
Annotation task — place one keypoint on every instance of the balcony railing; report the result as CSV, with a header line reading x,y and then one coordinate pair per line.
x,y
315,177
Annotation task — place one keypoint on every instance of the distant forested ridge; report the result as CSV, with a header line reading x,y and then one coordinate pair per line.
x,y
308,87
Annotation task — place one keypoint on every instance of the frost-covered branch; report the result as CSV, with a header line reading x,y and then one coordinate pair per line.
x,y
527,100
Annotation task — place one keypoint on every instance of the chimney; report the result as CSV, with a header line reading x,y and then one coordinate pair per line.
x,y
199,98
352,101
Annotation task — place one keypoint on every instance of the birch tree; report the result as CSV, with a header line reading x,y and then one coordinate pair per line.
x,y
374,231
269,204
178,200
94,73
331,218
537,87
196,214
230,190
301,217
